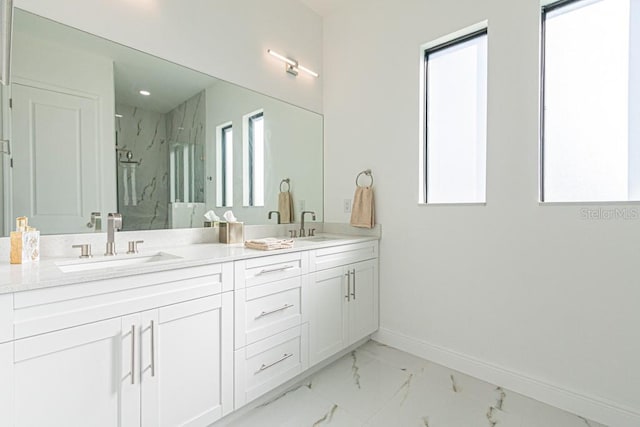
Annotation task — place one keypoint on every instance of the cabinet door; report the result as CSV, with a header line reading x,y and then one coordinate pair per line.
x,y
73,377
187,362
328,314
363,307
6,384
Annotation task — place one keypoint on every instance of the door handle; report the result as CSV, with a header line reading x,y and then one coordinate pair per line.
x,y
348,295
133,354
153,349
353,294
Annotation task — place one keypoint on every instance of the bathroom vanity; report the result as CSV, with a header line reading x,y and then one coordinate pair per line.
x,y
183,339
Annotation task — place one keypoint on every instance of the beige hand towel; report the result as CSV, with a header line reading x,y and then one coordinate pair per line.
x,y
285,207
362,213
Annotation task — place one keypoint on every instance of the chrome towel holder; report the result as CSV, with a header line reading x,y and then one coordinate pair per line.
x,y
366,172
285,181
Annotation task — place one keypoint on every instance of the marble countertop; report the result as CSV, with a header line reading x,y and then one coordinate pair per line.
x,y
47,273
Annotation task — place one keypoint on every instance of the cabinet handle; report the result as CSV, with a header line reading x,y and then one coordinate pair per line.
x,y
348,295
353,294
153,349
133,354
266,313
273,270
282,359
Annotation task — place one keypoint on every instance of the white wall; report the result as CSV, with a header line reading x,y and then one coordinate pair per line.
x,y
227,39
531,296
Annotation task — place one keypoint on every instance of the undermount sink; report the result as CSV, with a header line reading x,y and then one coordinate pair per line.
x,y
121,261
321,238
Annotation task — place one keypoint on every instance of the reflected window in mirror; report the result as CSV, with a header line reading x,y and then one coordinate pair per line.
x,y
254,159
224,165
181,159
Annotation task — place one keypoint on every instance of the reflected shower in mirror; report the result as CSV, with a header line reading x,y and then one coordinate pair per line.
x,y
100,127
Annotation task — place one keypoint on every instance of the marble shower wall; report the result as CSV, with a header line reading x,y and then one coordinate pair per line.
x,y
144,133
186,124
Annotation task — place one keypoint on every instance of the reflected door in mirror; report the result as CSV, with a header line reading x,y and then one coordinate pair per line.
x,y
55,158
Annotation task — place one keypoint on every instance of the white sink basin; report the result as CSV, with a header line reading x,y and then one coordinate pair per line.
x,y
113,262
321,238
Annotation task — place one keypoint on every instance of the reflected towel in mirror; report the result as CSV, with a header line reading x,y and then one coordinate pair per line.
x,y
285,207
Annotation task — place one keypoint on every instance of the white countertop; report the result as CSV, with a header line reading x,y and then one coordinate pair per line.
x,y
46,273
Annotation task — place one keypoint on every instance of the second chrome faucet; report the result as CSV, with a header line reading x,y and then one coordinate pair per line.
x,y
302,230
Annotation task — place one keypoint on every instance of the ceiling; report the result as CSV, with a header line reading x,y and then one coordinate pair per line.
x,y
170,84
324,7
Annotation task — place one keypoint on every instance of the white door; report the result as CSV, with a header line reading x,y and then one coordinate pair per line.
x,y
187,379
56,160
72,377
363,307
328,314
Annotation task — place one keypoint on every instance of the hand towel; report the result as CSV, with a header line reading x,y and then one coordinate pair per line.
x,y
285,207
362,213
134,195
125,184
269,243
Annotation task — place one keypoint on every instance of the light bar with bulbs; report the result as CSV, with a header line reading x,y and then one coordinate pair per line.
x,y
291,65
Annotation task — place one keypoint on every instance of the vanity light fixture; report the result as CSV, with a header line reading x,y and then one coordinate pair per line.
x,y
119,115
292,66
144,92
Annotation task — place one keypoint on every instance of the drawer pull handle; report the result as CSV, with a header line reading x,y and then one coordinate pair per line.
x,y
266,313
282,359
273,270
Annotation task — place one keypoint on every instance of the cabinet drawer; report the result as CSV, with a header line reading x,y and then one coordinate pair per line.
x,y
6,317
257,271
47,310
322,259
262,366
265,310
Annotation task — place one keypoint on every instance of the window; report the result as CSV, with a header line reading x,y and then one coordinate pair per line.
x,y
590,66
224,165
456,121
254,159
181,158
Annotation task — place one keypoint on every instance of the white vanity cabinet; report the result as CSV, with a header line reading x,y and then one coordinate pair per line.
x,y
271,329
344,297
143,350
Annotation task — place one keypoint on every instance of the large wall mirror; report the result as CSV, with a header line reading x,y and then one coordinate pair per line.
x,y
99,127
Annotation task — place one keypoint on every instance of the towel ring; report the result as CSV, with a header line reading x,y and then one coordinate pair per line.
x,y
367,173
285,181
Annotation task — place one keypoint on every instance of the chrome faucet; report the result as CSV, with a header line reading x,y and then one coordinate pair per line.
x,y
275,212
313,216
114,222
96,221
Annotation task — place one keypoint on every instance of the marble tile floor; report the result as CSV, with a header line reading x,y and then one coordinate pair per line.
x,y
379,386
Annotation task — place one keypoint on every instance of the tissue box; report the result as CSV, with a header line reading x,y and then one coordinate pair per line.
x,y
231,232
25,247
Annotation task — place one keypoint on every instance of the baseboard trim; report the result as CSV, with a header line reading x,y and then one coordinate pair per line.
x,y
596,409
